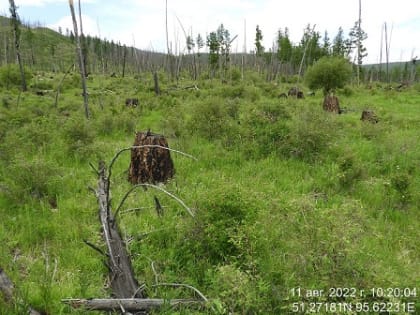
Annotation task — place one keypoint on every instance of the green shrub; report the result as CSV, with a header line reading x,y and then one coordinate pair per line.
x,y
37,178
211,239
264,130
71,81
10,76
42,85
310,134
210,119
350,171
79,136
110,123
235,75
400,182
328,73
240,292
347,91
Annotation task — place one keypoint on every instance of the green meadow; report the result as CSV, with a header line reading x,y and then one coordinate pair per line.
x,y
287,197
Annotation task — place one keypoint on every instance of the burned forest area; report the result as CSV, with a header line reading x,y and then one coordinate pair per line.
x,y
205,181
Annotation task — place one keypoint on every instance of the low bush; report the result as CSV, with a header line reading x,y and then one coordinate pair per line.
x,y
79,136
311,132
36,178
10,76
264,130
212,119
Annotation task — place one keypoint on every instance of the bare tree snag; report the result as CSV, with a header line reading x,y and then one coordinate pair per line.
x,y
81,60
150,161
16,34
156,83
122,280
7,289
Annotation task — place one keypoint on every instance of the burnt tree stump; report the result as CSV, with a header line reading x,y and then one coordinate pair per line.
x,y
131,102
150,161
331,104
295,92
369,116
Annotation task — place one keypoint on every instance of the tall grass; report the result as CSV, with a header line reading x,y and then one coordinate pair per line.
x,y
285,194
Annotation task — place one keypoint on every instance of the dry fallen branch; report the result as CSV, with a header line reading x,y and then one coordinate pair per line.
x,y
132,305
189,210
123,282
183,286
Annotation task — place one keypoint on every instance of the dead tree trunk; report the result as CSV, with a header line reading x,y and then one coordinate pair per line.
x,y
16,35
122,280
156,82
81,60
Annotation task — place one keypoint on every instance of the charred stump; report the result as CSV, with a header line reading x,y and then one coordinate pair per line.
x,y
331,104
131,102
150,160
369,116
295,92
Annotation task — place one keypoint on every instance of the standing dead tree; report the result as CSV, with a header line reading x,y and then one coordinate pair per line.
x,y
80,59
16,33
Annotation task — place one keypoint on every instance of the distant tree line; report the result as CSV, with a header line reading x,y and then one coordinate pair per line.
x,y
210,56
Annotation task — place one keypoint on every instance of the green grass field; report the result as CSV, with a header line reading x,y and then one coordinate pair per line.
x,y
286,195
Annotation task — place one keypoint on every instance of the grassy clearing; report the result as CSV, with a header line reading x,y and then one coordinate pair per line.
x,y
286,195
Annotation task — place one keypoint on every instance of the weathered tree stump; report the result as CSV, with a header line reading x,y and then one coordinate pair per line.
x,y
295,92
131,102
370,116
331,104
150,160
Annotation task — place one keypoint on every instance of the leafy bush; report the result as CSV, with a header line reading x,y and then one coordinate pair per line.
x,y
210,241
350,171
72,81
42,85
37,178
240,292
212,119
400,183
310,133
10,76
328,73
109,123
79,136
264,130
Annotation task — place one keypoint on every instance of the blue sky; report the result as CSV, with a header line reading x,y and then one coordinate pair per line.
x,y
142,22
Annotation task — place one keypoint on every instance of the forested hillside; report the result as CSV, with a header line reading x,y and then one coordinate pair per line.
x,y
280,203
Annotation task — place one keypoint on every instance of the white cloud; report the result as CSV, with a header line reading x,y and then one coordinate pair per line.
x,y
41,3
143,21
88,23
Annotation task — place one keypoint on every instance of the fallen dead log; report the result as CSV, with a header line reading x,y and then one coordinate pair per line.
x,y
129,296
127,304
6,286
122,280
